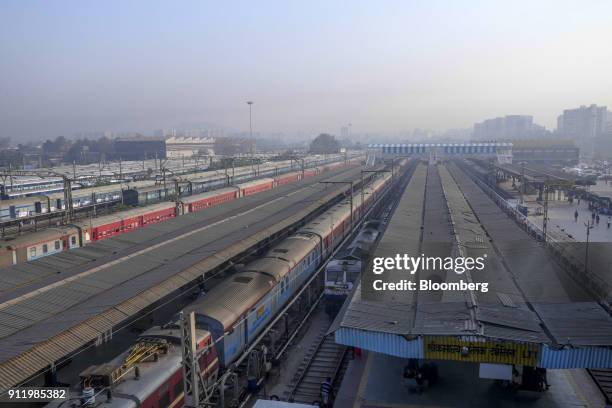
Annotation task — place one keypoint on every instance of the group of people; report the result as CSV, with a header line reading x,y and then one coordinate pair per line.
x,y
418,376
595,218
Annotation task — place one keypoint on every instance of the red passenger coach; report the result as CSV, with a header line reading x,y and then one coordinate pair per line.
x,y
310,173
159,215
126,221
105,227
254,187
287,178
210,199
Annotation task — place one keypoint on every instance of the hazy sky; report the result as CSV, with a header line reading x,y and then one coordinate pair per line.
x,y
69,66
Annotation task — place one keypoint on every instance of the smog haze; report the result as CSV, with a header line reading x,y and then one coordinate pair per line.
x,y
70,66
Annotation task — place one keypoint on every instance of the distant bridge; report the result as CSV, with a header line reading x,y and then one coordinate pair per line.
x,y
502,151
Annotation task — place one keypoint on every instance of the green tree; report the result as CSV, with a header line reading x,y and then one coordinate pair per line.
x,y
324,143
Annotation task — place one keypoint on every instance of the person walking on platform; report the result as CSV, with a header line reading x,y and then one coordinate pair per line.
x,y
576,216
597,219
326,390
609,221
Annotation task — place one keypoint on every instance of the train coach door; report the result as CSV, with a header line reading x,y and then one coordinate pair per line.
x,y
65,243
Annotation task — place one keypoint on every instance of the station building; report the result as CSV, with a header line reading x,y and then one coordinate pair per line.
x,y
546,152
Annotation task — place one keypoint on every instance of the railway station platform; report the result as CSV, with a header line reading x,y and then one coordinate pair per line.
x,y
375,380
561,223
534,314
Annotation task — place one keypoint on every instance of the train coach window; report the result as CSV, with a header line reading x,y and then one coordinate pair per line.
x,y
33,251
57,244
45,248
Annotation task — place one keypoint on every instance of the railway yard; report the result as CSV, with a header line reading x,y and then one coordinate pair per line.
x,y
41,225
255,295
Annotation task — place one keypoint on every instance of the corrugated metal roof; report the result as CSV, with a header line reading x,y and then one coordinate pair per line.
x,y
90,308
578,323
379,342
530,299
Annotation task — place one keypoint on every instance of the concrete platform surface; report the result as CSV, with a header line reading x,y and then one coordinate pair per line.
x,y
561,222
376,381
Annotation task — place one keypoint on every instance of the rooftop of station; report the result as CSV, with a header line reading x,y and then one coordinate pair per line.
x,y
533,312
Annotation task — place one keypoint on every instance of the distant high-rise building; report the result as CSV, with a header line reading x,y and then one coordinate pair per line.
x,y
508,127
585,122
586,125
344,132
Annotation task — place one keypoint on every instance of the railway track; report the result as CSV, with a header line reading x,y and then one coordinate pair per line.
x,y
325,359
603,379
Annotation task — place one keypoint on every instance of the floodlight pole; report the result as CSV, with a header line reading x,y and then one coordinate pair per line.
x,y
250,103
589,227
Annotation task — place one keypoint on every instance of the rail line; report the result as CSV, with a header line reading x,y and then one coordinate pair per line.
x,y
14,377
326,360
603,379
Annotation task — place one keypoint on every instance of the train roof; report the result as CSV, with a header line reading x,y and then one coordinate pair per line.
x,y
198,197
214,174
172,333
118,216
290,174
32,238
79,306
276,267
233,297
153,374
89,190
255,182
154,187
322,225
80,192
22,200
279,260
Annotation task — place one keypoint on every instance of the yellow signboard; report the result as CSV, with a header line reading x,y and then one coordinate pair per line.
x,y
453,348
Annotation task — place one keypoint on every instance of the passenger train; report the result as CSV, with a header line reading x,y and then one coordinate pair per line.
x,y
228,318
149,192
35,245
